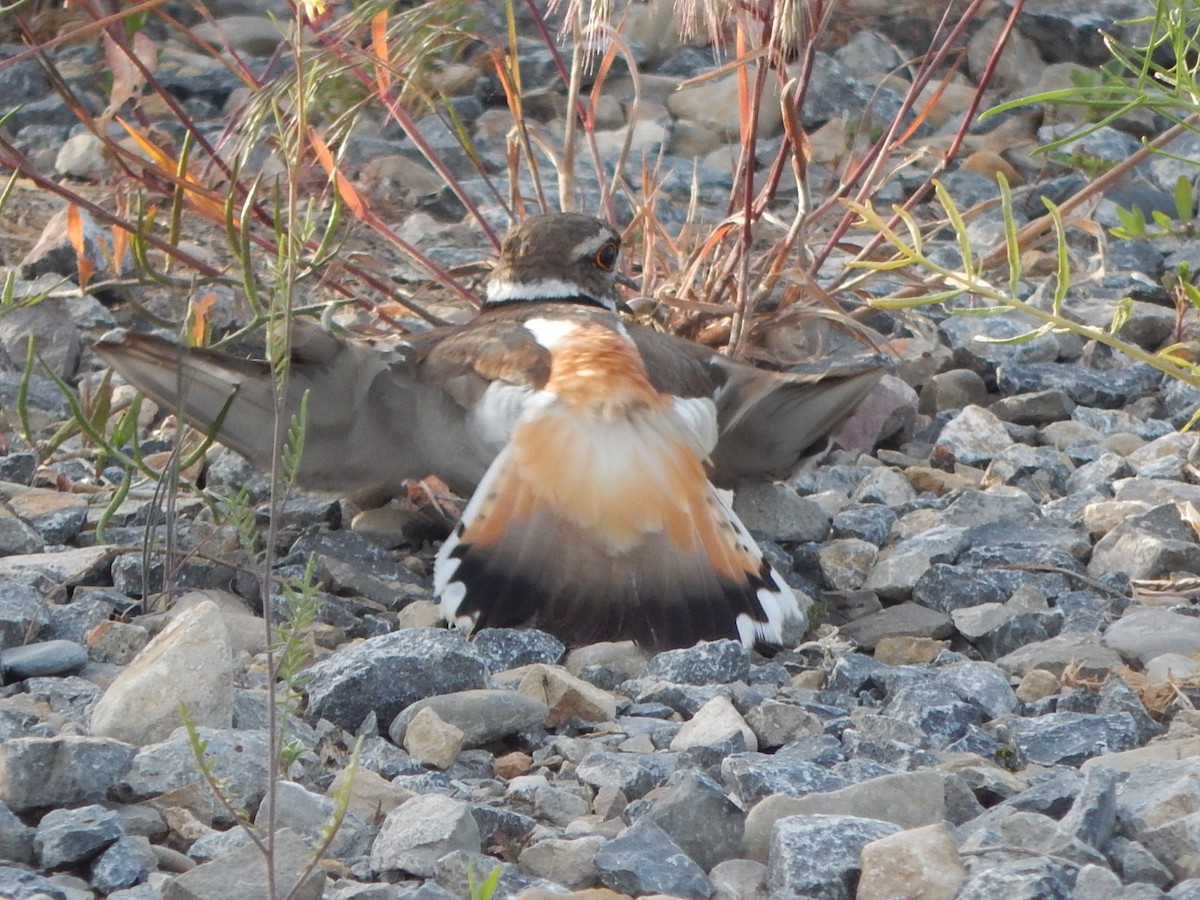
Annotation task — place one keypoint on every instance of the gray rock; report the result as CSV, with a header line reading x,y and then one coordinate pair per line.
x,y
815,855
22,612
1019,630
385,674
753,776
1134,863
973,436
18,468
126,863
899,568
983,685
1156,795
778,511
936,710
1116,697
17,536
137,892
68,769
644,860
1098,883
1023,879
1034,408
1111,389
1041,472
1034,544
569,862
696,814
239,760
418,833
952,389
60,525
348,563
43,658
1093,815
742,878
776,723
49,322
483,716
458,868
947,588
1069,738
869,522
16,838
67,837
216,844
1152,545
1005,831
130,573
1117,421
1105,469
709,662
308,814
1053,654
633,774
888,741
907,799
1141,634
73,621
498,824
884,485
845,563
508,648
242,873
854,673
1151,491
999,505
559,806
21,884
904,619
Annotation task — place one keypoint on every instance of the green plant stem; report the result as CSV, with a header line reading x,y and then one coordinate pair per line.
x,y
1038,227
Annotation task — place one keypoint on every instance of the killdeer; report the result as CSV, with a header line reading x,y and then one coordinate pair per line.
x,y
435,404
596,521
480,402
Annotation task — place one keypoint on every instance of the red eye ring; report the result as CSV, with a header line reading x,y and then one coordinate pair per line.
x,y
606,256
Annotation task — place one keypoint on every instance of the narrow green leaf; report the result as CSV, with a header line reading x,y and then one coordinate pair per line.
x,y
1017,339
912,302
1184,204
1011,245
113,505
23,393
1064,264
1122,313
960,228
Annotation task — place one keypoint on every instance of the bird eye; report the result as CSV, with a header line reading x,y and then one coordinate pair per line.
x,y
606,256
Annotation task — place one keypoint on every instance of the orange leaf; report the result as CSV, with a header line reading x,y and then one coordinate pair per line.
x,y
149,148
76,236
349,194
198,324
379,49
120,243
200,198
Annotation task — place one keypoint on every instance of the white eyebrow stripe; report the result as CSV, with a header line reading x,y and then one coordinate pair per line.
x,y
589,246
